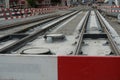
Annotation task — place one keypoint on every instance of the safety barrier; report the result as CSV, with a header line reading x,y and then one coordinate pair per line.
x,y
7,13
88,68
24,67
110,10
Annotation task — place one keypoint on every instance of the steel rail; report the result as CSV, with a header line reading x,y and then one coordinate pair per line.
x,y
112,42
3,38
25,22
22,31
78,47
18,44
41,23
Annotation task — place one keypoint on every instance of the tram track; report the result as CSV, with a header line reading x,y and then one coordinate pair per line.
x,y
78,50
94,41
113,44
20,28
23,38
94,36
29,27
7,27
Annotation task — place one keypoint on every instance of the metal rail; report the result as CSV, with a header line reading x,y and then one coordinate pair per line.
x,y
78,50
25,22
23,41
113,44
3,38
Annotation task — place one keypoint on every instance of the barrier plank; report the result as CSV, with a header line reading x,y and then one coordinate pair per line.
x,y
88,68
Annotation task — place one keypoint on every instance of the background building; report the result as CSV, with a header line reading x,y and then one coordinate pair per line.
x,y
4,3
38,3
13,3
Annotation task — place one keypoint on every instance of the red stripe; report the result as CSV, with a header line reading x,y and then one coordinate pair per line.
x,y
88,68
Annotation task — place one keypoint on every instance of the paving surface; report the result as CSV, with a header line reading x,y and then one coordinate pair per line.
x,y
113,22
69,28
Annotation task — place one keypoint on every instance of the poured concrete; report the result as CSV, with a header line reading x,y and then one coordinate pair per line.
x,y
93,47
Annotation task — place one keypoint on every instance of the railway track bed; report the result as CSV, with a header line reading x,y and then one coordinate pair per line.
x,y
90,37
26,37
95,38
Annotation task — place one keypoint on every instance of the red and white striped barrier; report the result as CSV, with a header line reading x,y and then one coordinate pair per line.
x,y
110,10
59,68
115,10
7,13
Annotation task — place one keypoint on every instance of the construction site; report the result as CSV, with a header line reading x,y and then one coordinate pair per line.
x,y
59,39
